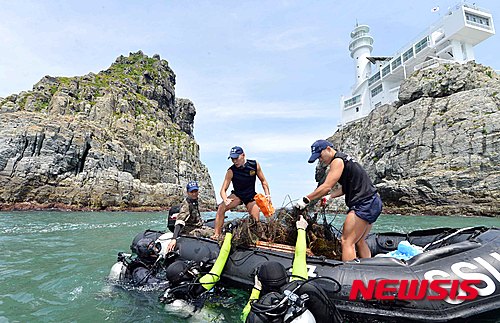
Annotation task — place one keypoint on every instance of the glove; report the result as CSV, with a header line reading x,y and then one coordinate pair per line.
x,y
302,203
231,226
325,199
301,223
257,284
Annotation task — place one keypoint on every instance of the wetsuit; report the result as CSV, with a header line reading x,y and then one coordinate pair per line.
x,y
299,270
244,181
209,280
190,300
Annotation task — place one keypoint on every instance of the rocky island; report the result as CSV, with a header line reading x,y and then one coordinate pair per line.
x,y
118,139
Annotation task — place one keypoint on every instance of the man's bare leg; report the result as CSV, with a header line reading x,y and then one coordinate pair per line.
x,y
354,230
254,210
221,213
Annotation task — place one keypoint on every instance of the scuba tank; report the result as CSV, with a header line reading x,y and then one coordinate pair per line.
x,y
264,205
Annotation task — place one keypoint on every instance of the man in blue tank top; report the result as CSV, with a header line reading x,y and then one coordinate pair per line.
x,y
242,175
361,197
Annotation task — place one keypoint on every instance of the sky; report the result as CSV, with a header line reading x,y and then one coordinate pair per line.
x,y
264,75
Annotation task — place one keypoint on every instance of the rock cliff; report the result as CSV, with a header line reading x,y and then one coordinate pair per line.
x,y
118,139
437,150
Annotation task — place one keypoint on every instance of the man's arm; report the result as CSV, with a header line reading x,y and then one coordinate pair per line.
x,y
180,222
225,186
336,169
262,178
299,266
254,295
337,192
209,280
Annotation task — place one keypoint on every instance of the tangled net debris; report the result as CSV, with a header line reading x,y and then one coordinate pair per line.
x,y
281,229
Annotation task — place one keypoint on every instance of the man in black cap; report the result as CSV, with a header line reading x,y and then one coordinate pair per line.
x,y
361,197
242,175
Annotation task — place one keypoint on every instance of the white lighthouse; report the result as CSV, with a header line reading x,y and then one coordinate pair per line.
x,y
451,39
361,46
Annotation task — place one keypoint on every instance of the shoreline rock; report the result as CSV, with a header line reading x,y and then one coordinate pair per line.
x,y
437,151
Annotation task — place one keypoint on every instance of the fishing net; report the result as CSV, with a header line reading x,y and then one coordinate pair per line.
x,y
281,229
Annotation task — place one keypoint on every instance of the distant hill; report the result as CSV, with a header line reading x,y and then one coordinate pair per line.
x,y
437,150
119,139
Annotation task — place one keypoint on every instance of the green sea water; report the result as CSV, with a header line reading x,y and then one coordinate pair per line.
x,y
53,265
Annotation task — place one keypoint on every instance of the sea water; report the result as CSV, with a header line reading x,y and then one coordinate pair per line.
x,y
53,265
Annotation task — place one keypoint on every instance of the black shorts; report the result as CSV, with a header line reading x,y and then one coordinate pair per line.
x,y
368,209
245,199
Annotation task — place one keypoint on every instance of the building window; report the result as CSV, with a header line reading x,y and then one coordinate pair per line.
x,y
408,54
376,90
396,63
421,45
374,78
352,101
476,20
386,70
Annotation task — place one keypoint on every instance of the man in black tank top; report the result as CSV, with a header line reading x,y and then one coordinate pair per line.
x,y
361,197
242,174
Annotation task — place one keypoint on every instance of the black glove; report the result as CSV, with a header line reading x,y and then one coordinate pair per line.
x,y
231,226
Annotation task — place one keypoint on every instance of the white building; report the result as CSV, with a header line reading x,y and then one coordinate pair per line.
x,y
451,39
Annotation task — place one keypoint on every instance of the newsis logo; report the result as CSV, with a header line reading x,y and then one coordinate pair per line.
x,y
391,289
436,285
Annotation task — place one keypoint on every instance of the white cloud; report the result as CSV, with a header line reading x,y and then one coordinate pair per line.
x,y
289,40
260,144
258,110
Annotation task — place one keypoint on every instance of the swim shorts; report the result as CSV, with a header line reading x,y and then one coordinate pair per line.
x,y
368,209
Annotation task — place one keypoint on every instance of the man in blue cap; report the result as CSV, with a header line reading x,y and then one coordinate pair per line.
x,y
189,217
242,174
361,197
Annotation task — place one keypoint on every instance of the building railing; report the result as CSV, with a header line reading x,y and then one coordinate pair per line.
x,y
471,6
434,61
365,40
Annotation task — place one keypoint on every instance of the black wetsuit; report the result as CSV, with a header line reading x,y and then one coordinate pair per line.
x,y
355,182
244,181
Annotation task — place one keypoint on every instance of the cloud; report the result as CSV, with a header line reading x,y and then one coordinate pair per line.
x,y
259,110
291,39
265,143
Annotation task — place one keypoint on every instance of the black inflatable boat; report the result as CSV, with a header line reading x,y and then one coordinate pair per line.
x,y
456,277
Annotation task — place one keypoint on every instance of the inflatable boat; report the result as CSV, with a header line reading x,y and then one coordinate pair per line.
x,y
456,275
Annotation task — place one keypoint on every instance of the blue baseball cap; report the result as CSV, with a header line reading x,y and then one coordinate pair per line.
x,y
235,152
317,147
192,186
